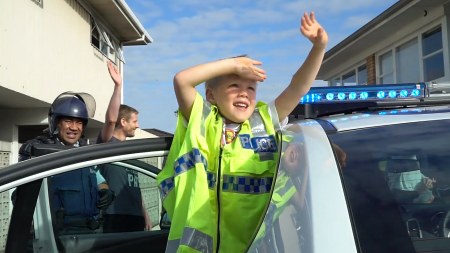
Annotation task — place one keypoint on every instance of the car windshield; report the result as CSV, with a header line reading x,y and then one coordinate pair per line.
x,y
397,180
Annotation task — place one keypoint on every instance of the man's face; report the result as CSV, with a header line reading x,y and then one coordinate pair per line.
x,y
235,97
129,127
70,130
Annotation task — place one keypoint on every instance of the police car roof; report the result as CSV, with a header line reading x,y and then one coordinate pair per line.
x,y
387,117
355,107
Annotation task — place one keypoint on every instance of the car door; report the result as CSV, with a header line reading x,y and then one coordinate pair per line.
x,y
307,199
33,221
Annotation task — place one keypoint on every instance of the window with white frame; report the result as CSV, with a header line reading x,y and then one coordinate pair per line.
x,y
357,76
362,75
104,42
433,55
349,78
336,82
387,68
402,64
408,62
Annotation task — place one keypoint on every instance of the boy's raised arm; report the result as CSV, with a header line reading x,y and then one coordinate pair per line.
x,y
185,81
302,80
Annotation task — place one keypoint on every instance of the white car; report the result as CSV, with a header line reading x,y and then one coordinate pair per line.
x,y
362,169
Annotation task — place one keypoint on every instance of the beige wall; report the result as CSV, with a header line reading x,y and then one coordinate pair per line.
x,y
46,50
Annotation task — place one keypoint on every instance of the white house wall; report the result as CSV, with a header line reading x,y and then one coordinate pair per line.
x,y
406,33
46,50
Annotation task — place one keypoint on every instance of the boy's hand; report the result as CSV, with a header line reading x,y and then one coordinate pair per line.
x,y
312,30
245,68
115,74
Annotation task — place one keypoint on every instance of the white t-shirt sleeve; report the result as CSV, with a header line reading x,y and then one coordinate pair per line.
x,y
100,178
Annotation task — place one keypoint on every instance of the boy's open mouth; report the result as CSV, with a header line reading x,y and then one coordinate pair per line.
x,y
241,105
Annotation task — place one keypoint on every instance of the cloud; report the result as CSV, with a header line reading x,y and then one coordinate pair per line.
x,y
146,10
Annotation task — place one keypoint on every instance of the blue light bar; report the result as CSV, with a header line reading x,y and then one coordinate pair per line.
x,y
333,94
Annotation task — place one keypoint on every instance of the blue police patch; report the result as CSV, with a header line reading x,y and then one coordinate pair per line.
x,y
264,144
245,141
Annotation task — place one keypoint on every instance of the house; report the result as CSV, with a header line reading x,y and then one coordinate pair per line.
x,y
409,42
52,46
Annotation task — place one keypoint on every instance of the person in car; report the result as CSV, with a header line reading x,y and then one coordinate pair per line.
x,y
128,212
78,195
404,174
217,180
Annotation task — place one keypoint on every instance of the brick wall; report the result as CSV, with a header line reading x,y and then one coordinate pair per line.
x,y
371,69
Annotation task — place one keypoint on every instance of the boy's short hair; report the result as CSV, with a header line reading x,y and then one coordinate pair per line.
x,y
214,82
125,112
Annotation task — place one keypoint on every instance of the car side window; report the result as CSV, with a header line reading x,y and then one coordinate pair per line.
x,y
112,204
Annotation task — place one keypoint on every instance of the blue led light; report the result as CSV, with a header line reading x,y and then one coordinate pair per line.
x,y
393,112
330,96
403,93
364,92
392,94
382,113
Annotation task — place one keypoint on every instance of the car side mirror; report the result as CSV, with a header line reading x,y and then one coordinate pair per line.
x,y
165,221
45,149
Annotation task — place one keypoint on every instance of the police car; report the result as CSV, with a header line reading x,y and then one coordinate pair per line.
x,y
361,169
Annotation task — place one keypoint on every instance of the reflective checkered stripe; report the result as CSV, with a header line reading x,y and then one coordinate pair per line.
x,y
212,179
247,185
183,164
191,238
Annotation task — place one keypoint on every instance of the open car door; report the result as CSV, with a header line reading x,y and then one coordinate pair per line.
x,y
32,224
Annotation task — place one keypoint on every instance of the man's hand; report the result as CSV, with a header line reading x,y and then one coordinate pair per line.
x,y
148,224
115,74
312,30
245,68
106,198
428,182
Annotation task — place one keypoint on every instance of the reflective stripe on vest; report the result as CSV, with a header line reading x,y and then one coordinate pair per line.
x,y
181,165
192,238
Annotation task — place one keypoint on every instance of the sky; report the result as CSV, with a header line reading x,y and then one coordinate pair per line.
x,y
191,32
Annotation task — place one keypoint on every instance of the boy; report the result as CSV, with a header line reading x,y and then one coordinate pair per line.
x,y
216,184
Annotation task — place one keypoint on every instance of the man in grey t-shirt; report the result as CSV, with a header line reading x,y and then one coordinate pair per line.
x,y
128,212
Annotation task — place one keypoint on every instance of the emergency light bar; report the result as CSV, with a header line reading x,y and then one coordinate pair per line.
x,y
324,101
365,93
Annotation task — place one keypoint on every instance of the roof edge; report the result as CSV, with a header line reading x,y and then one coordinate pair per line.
x,y
367,27
126,9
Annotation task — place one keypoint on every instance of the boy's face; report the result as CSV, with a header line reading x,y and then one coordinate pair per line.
x,y
235,97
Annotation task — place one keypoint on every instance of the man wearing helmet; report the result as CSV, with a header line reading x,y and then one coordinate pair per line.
x,y
78,195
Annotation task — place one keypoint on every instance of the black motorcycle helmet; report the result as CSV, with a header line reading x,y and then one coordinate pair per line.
x,y
70,104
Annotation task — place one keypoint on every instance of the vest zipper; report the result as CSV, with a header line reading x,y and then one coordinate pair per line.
x,y
218,201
